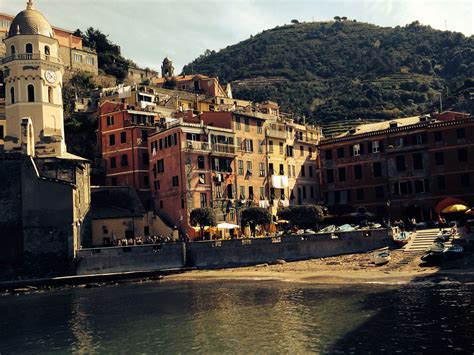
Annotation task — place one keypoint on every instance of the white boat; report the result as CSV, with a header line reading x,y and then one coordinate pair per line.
x,y
381,257
402,238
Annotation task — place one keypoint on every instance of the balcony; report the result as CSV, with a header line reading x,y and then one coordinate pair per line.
x,y
223,149
197,146
31,56
276,134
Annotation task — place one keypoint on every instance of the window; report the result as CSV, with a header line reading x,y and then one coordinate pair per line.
x,y
113,163
379,192
249,145
260,147
145,159
77,58
241,167
249,167
417,161
110,120
31,93
310,152
270,169
377,166
262,193
301,150
328,154
251,193
124,160
329,176
112,139
281,147
289,171
310,171
420,138
157,184
2,133
259,126
420,186
461,133
462,155
402,188
114,181
47,50
90,60
161,204
293,168
247,124
237,123
289,150
441,181
358,172
202,178
242,192
218,191
272,193
356,150
12,50
399,142
465,180
160,166
303,172
375,146
50,95
203,200
311,191
359,194
438,136
270,146
146,180
282,170
174,181
261,169
342,174
29,48
230,193
340,152
400,162
123,137
304,191
12,95
201,164
439,158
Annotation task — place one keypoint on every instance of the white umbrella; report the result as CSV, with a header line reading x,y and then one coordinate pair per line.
x,y
227,226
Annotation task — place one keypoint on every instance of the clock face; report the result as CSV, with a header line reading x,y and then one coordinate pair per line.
x,y
50,76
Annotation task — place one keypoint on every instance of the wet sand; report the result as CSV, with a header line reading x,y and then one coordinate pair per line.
x,y
345,269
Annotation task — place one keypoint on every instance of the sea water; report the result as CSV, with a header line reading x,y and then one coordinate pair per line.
x,y
241,317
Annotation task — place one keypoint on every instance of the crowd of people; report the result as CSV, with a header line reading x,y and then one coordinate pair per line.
x,y
141,241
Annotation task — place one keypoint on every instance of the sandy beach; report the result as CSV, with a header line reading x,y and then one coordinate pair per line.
x,y
345,269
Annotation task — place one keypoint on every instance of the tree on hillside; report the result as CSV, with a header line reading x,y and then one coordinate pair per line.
x,y
337,18
202,217
78,86
295,21
255,216
305,216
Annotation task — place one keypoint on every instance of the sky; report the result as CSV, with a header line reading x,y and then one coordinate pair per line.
x,y
149,30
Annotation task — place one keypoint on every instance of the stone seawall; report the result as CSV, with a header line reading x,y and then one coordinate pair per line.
x,y
227,253
240,252
129,259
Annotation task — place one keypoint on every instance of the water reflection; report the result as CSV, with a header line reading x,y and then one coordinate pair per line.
x,y
239,317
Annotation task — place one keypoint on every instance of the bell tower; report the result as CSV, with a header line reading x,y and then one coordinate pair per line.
x,y
33,72
167,69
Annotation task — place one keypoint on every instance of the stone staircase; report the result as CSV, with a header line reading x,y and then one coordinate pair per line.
x,y
422,240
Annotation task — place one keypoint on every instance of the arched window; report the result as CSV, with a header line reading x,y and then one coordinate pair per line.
x,y
12,95
12,49
47,50
31,93
50,95
29,48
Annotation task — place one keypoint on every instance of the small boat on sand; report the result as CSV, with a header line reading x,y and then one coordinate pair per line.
x,y
381,257
328,229
402,238
436,247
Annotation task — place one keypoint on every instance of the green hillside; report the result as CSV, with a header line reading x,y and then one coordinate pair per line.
x,y
345,70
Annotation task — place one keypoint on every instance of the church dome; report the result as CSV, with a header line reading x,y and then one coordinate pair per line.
x,y
30,22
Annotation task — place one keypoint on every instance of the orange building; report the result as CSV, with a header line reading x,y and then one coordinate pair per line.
x,y
123,135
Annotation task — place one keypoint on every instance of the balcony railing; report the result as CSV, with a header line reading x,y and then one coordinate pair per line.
x,y
31,56
223,148
196,145
276,134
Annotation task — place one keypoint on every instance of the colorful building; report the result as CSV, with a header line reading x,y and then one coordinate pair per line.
x,y
401,167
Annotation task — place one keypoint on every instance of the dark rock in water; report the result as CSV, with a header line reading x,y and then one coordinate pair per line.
x,y
277,262
21,290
